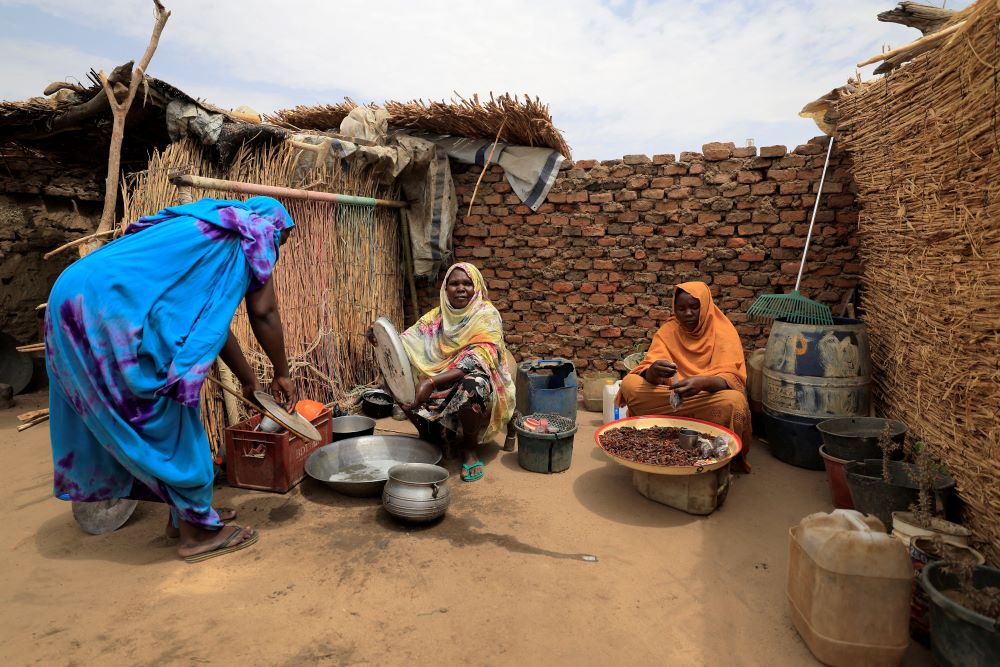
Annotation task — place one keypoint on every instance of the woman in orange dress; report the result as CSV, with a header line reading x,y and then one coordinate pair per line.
x,y
696,355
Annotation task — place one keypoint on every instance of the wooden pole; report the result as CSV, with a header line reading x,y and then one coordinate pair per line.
x,y
280,192
119,110
922,42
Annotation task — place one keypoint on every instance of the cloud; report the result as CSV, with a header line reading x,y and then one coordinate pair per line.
x,y
620,77
29,66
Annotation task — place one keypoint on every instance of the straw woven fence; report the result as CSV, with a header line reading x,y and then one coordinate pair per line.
x,y
926,150
339,271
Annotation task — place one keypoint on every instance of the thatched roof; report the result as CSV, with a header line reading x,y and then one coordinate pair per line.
x,y
526,122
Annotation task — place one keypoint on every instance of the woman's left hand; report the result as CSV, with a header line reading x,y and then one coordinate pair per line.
x,y
283,389
695,384
423,392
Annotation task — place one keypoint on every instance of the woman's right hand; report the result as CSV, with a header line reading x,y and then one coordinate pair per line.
x,y
423,392
660,372
370,335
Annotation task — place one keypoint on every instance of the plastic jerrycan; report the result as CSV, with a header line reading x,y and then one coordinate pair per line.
x,y
612,411
849,589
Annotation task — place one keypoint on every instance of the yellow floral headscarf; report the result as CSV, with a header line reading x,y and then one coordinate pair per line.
x,y
445,334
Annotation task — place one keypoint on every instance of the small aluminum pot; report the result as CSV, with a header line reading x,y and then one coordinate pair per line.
x,y
416,492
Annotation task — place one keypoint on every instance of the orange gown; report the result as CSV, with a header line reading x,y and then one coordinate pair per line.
x,y
712,349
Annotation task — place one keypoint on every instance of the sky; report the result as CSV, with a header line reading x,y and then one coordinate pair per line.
x,y
620,76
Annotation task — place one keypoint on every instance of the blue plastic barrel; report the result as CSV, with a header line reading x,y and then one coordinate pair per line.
x,y
547,386
813,372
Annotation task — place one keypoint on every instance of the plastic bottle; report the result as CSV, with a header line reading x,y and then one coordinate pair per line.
x,y
612,411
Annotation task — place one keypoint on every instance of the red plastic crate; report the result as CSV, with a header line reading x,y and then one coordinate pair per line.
x,y
270,461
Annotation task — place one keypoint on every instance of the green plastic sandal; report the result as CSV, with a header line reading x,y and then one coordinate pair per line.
x,y
472,477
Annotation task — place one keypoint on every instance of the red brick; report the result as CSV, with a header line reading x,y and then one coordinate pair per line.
x,y
717,151
773,151
562,287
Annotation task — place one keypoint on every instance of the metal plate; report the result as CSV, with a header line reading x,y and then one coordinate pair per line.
x,y
360,466
735,445
392,360
103,516
16,368
297,424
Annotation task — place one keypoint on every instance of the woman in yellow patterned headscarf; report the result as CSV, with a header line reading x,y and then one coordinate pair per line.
x,y
459,361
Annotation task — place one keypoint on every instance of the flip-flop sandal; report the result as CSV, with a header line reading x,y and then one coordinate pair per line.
x,y
472,477
226,547
172,535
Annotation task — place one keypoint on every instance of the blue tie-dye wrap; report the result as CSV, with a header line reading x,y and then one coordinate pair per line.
x,y
131,330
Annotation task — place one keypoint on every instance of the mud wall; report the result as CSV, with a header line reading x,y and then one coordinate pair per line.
x,y
42,206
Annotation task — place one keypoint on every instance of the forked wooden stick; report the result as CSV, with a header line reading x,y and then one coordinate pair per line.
x,y
119,110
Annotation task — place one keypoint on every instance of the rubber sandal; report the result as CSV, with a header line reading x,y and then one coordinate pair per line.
x,y
175,533
472,477
226,547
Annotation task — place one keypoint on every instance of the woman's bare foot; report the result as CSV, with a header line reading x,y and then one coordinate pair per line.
x,y
226,514
197,541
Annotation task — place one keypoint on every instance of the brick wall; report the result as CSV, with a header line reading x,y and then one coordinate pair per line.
x,y
591,273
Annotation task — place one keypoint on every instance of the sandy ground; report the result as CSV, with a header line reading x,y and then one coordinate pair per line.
x,y
333,580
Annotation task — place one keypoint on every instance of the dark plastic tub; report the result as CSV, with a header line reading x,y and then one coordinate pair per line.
x,y
545,452
793,440
872,495
856,438
959,636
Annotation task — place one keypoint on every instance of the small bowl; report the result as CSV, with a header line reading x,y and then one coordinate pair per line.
x,y
268,425
688,438
352,426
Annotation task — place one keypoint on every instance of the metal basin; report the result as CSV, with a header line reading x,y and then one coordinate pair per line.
x,y
360,466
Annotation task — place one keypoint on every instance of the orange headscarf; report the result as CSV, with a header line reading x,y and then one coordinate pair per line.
x,y
713,348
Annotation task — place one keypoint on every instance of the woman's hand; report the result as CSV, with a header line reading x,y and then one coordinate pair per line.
x,y
660,372
698,383
423,392
370,336
283,389
248,389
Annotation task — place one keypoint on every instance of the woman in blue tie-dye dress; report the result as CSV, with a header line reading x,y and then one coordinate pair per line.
x,y
131,331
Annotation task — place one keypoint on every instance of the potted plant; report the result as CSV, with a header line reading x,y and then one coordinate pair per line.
x,y
919,520
881,487
965,613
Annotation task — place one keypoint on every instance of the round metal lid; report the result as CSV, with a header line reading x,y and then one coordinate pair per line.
x,y
103,516
297,424
392,360
16,368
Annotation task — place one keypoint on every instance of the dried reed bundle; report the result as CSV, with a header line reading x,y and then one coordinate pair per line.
x,y
526,122
926,147
339,271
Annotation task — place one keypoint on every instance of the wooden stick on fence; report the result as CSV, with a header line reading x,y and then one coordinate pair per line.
x,y
280,192
76,242
119,110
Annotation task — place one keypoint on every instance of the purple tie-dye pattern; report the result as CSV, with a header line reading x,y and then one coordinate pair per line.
x,y
186,389
104,370
260,241
66,461
212,231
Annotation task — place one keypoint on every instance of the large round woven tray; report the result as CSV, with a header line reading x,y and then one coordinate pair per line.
x,y
735,445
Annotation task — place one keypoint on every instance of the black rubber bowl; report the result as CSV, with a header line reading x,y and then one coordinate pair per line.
x,y
376,404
